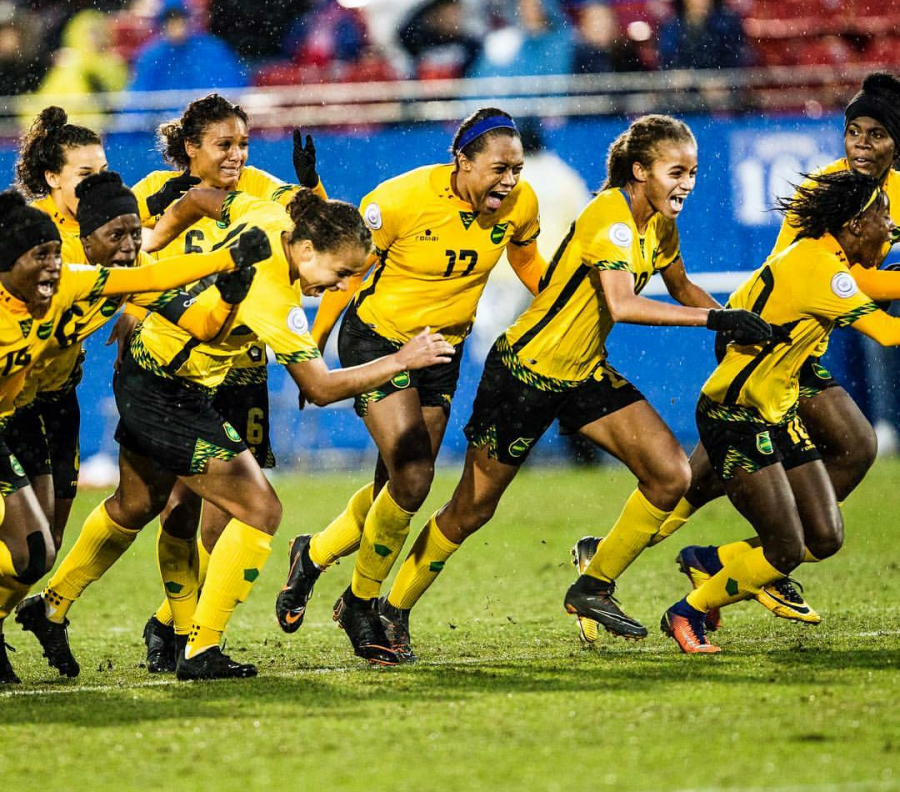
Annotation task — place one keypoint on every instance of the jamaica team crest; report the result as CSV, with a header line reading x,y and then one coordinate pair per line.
x,y
231,432
498,232
764,443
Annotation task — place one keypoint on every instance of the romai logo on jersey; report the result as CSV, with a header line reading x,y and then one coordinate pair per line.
x,y
427,236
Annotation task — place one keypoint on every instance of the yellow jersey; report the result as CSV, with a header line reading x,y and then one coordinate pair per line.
x,y
809,290
788,232
560,340
69,230
271,313
435,253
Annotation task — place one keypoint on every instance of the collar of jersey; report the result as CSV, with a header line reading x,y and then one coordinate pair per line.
x,y
48,205
833,247
11,303
442,185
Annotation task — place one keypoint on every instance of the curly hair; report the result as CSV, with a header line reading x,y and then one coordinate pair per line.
x,y
330,225
43,148
827,202
195,120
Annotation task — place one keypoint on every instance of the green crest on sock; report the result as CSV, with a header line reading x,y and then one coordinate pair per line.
x,y
436,566
731,587
174,588
251,574
383,551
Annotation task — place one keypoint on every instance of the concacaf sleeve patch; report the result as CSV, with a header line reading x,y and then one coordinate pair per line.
x,y
372,216
620,234
843,285
296,321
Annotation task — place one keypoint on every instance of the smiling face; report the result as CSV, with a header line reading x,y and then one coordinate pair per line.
x,y
116,243
220,158
319,271
670,178
486,179
873,229
870,149
80,162
34,278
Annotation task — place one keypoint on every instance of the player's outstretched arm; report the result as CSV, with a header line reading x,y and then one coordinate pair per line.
x,y
321,385
196,204
528,264
682,289
879,326
879,284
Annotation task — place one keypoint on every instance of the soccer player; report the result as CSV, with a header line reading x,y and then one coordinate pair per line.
x,y
836,425
552,363
748,415
439,230
209,143
319,245
36,300
54,156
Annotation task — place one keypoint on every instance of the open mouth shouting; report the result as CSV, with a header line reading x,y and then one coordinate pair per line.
x,y
676,203
494,198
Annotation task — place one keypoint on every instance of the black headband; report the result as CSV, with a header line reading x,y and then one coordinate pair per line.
x,y
98,207
875,106
16,239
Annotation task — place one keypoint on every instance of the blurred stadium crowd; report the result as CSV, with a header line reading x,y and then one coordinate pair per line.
x,y
62,47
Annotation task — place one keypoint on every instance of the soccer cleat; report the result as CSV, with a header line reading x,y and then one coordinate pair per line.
x,y
396,627
785,601
591,598
699,564
290,605
582,553
360,620
686,626
7,673
53,637
159,639
212,664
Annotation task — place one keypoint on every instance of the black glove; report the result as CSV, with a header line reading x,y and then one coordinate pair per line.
x,y
233,286
740,326
305,160
252,246
171,191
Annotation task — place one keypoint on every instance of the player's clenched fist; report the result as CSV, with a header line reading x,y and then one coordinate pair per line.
x,y
252,246
425,349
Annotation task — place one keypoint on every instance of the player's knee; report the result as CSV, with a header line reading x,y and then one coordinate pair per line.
x,y
828,543
862,451
412,483
267,513
670,484
786,554
35,558
476,516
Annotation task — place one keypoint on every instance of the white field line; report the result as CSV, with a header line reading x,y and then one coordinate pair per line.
x,y
847,786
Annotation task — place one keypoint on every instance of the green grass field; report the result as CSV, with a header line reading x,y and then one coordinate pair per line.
x,y
505,697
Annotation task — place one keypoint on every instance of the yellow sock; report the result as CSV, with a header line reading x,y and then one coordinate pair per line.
x,y
679,516
12,592
423,564
387,526
733,549
343,535
178,566
101,543
7,567
741,578
234,564
637,524
164,612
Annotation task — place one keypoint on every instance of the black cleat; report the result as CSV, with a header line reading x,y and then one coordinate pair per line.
x,y
590,598
360,620
212,664
53,637
7,674
290,605
396,627
159,639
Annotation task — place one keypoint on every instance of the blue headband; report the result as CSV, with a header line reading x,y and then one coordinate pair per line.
x,y
485,125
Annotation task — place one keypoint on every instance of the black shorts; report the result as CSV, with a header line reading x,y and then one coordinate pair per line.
x,y
738,444
358,344
26,438
246,408
509,416
12,474
170,421
815,378
62,422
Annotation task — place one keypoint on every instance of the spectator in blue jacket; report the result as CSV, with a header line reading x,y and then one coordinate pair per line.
x,y
703,34
182,57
